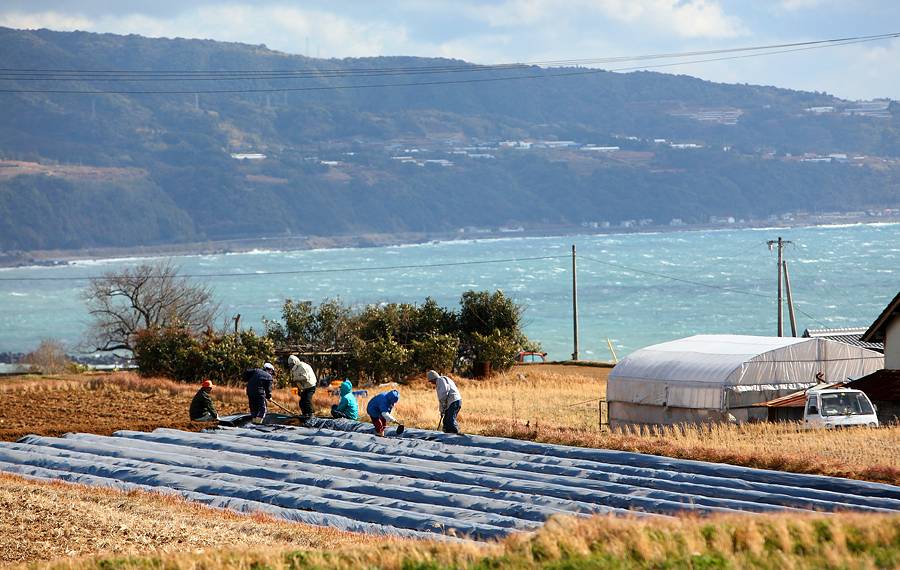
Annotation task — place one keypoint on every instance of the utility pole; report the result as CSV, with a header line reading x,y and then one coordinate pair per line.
x,y
781,245
787,287
574,304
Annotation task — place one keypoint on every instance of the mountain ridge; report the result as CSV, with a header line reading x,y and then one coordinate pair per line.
x,y
235,141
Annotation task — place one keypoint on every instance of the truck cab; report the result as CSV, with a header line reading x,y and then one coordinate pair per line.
x,y
835,408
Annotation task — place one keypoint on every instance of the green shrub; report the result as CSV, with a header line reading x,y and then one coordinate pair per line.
x,y
381,360
498,349
387,341
176,354
327,326
166,352
435,353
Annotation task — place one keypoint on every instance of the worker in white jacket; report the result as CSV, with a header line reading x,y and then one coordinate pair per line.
x,y
303,377
449,400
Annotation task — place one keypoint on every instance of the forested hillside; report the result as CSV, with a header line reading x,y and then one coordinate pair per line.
x,y
153,141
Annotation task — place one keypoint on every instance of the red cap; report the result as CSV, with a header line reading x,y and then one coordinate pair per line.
x,y
207,384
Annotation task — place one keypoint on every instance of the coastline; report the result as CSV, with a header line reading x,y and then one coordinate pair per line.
x,y
289,243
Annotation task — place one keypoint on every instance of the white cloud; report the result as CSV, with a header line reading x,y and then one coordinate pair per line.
x,y
676,18
50,20
699,19
791,5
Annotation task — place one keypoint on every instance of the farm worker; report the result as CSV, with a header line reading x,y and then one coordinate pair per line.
x,y
303,377
348,407
202,409
449,400
259,389
379,410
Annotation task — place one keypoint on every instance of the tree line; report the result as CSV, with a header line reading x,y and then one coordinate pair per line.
x,y
163,319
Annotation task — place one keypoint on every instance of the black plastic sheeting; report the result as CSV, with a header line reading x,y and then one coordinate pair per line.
x,y
336,473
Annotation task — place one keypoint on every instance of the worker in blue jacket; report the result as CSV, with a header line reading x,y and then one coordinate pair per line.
x,y
348,407
379,410
259,389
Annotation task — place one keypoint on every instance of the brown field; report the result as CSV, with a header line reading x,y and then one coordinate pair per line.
x,y
558,404
11,168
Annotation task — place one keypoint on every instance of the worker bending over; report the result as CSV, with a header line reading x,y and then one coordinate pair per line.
x,y
379,410
259,389
202,409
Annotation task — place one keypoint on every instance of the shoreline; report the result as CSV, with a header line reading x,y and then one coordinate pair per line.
x,y
285,243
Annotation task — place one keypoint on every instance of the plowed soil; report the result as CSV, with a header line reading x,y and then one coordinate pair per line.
x,y
53,412
50,521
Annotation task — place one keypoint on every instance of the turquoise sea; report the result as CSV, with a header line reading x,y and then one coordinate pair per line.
x,y
633,289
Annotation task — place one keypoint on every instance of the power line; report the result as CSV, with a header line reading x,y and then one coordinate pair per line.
x,y
825,284
669,277
178,76
93,75
698,271
310,271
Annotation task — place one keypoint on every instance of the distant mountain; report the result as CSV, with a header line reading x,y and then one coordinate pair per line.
x,y
136,141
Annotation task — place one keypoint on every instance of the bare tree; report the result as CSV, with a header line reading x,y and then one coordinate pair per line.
x,y
49,358
152,294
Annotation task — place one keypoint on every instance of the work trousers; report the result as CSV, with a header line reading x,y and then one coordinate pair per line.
x,y
306,396
450,417
258,407
336,414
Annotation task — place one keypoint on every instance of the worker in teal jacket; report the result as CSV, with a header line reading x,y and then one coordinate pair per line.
x,y
348,407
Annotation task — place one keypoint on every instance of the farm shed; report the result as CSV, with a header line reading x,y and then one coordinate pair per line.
x,y
719,378
883,388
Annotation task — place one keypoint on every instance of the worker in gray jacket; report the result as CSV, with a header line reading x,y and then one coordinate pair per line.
x,y
449,400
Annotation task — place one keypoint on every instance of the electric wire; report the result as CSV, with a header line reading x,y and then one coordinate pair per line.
x,y
678,279
421,266
309,271
184,75
795,304
839,296
107,75
636,290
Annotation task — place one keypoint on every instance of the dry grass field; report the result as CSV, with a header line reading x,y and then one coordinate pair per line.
x,y
54,525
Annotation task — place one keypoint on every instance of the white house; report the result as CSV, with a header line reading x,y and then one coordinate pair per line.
x,y
886,329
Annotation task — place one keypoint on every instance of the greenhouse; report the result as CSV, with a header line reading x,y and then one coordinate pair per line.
x,y
718,378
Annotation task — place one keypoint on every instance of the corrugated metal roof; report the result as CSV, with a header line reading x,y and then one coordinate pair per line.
x,y
849,335
882,385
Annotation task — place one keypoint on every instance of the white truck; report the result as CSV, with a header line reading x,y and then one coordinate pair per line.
x,y
836,407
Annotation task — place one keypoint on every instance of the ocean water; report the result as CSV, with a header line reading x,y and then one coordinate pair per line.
x,y
634,290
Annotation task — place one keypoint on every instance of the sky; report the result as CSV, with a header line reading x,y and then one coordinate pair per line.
x,y
529,31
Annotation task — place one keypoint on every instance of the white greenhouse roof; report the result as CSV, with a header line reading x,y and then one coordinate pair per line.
x,y
695,372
